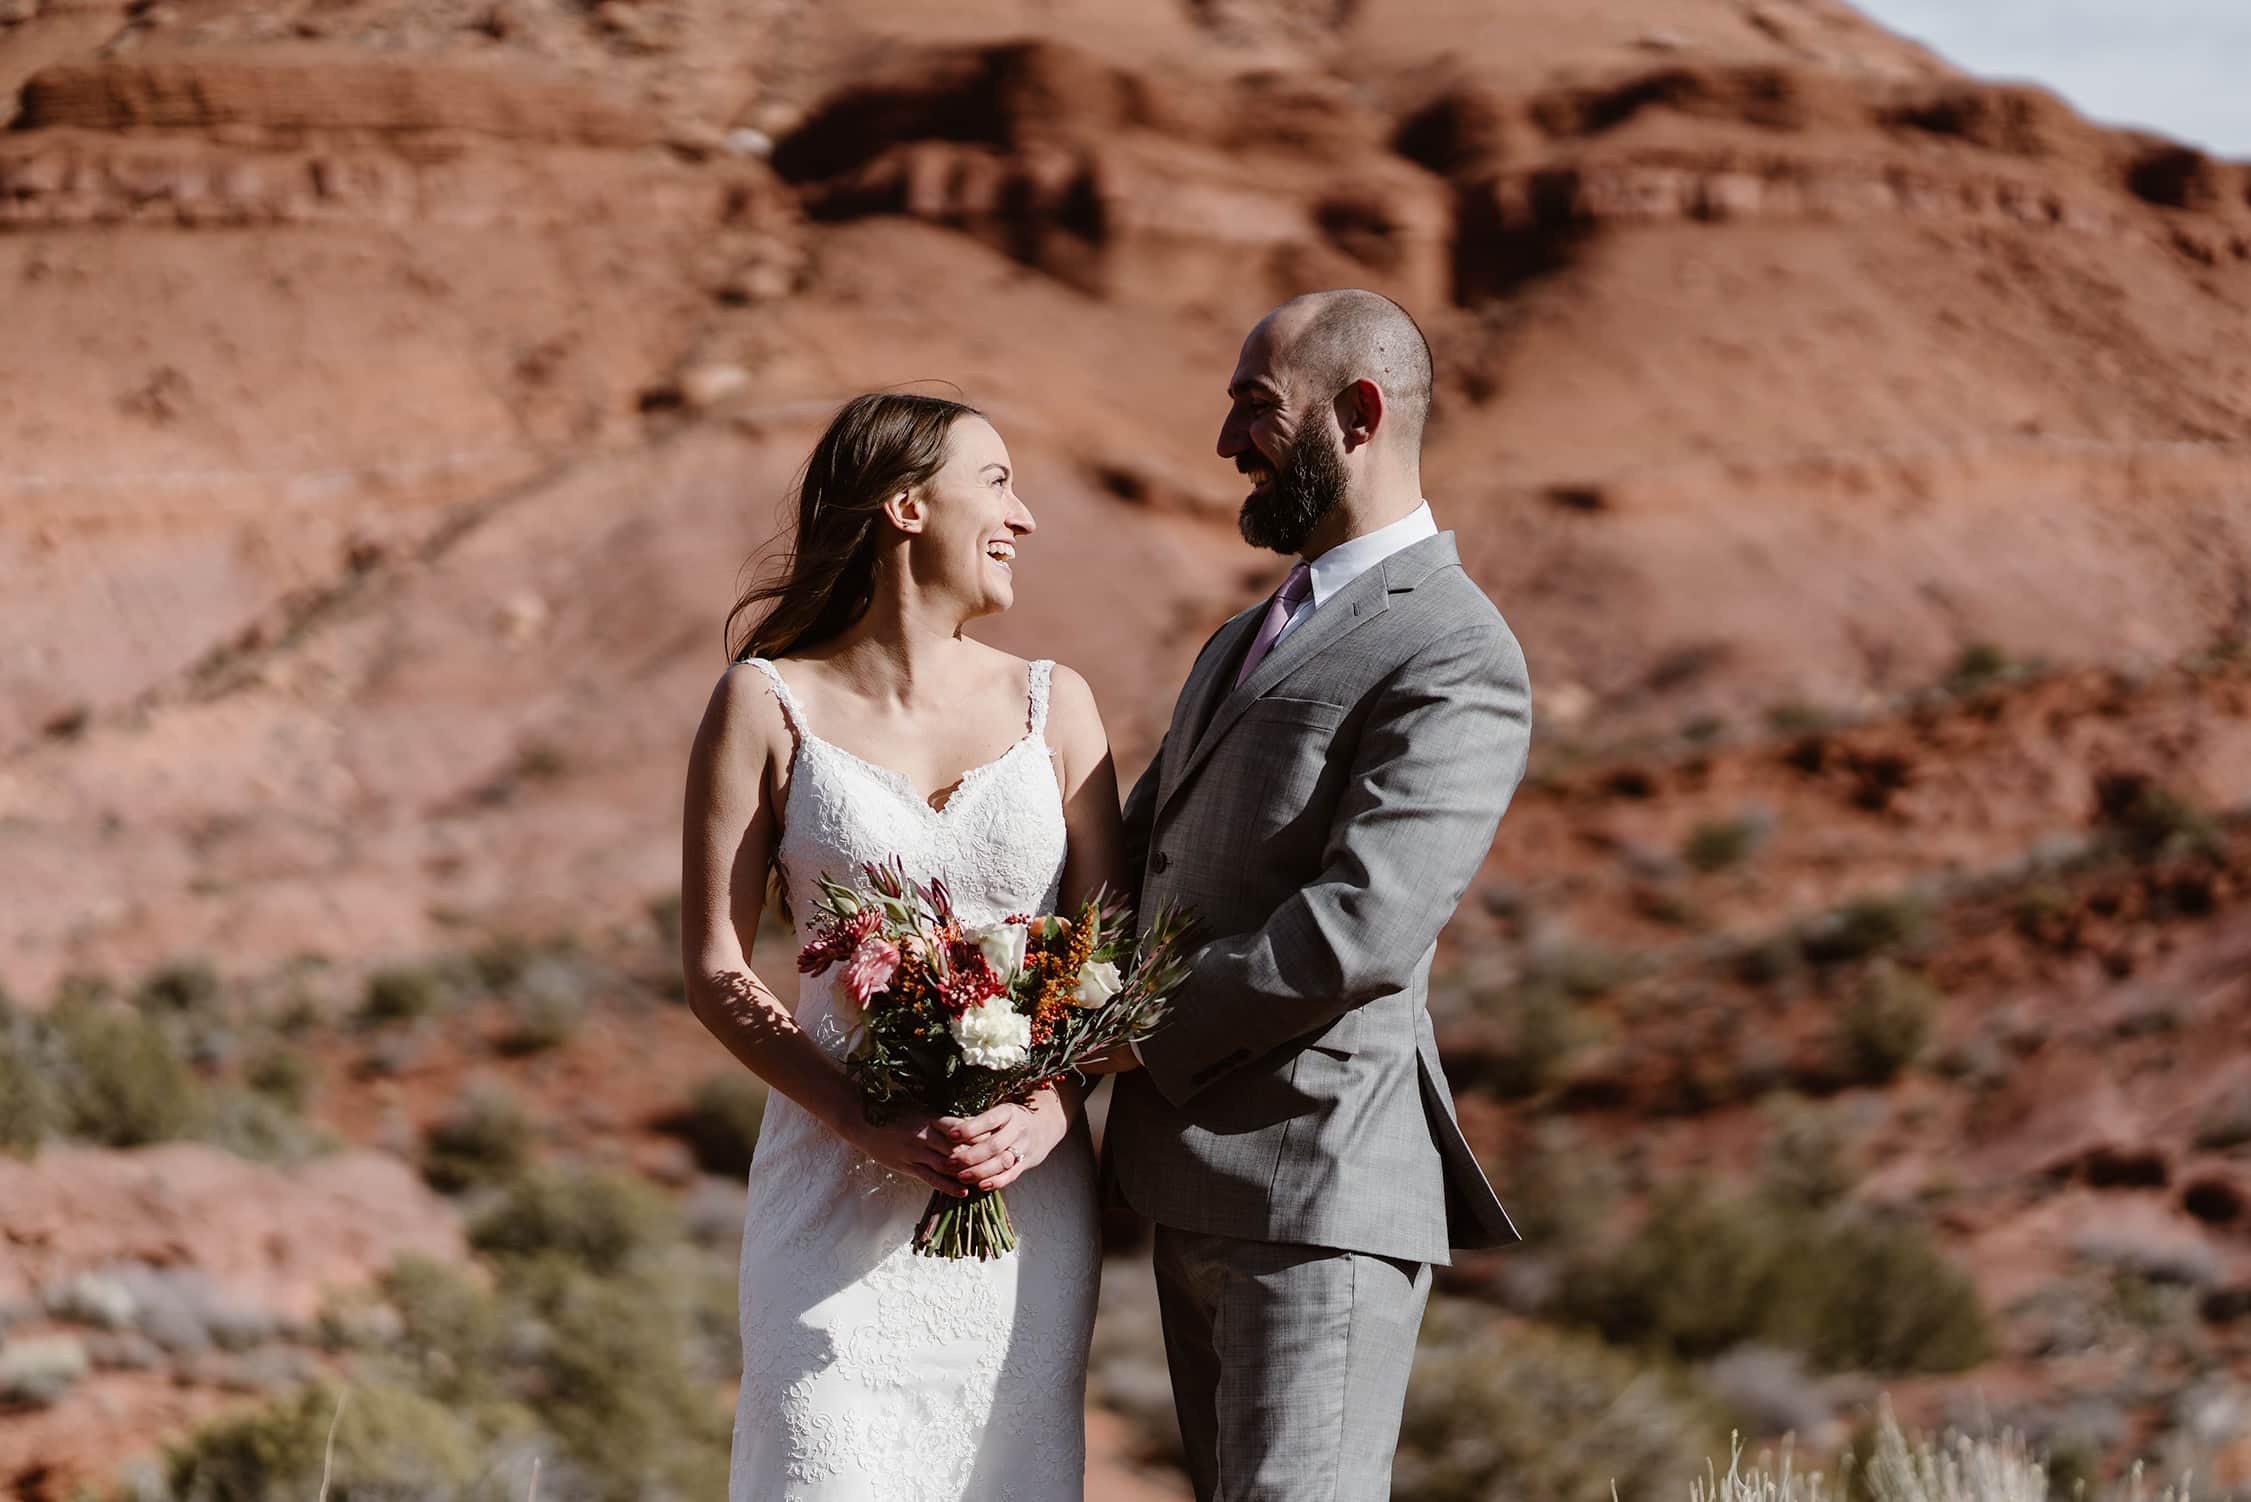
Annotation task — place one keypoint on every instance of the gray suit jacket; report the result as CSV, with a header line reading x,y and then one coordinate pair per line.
x,y
1321,824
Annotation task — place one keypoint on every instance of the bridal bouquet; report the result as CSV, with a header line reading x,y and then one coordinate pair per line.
x,y
954,1020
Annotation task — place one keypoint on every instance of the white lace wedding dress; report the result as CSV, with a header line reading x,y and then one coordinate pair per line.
x,y
871,1374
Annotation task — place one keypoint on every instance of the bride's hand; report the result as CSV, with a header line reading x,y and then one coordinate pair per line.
x,y
912,1146
996,1149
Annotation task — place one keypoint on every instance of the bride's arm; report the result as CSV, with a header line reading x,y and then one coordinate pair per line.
x,y
728,834
1093,859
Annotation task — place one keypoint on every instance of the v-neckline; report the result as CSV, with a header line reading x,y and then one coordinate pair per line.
x,y
901,783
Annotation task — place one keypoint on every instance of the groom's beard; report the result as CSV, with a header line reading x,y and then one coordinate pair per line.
x,y
1308,484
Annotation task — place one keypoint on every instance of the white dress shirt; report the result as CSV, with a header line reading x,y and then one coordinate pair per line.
x,y
1348,560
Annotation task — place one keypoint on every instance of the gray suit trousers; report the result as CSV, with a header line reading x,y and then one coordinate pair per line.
x,y
1289,1364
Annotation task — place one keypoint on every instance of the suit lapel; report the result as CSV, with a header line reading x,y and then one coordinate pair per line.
x,y
1203,691
1354,606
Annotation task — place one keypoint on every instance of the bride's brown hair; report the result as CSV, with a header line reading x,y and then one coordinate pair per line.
x,y
879,444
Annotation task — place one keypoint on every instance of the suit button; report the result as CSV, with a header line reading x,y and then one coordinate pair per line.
x,y
1158,861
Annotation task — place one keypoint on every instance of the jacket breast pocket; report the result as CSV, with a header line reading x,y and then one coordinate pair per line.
x,y
1282,770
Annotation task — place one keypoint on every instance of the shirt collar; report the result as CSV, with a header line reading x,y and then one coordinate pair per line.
x,y
1347,561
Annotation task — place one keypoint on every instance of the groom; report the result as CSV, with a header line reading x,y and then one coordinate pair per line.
x,y
1333,774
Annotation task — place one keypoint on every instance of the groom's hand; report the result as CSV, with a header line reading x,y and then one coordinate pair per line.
x,y
1117,1061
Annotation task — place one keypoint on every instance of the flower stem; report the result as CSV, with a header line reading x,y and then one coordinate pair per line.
x,y
977,1225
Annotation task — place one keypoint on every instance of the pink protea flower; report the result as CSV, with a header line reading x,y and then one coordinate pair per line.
x,y
871,967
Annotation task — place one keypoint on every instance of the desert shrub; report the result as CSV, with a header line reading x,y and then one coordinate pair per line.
x,y
1703,1275
1807,1161
28,1108
1927,1317
1535,1032
548,1001
1886,1025
603,1221
616,1388
2154,821
1716,844
1498,1410
1775,958
1979,666
452,1341
401,993
392,1445
485,1139
123,1083
260,1128
181,986
1560,1187
1865,927
722,1122
501,960
281,1076
1586,972
1795,717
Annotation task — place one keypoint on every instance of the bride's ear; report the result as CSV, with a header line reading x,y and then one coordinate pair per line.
x,y
907,511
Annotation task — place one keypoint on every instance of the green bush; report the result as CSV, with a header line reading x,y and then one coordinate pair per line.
x,y
391,1446
1865,927
1807,1161
453,1333
541,1020
260,1128
1704,1274
1979,666
722,1122
28,1109
1886,1025
123,1082
603,1221
1560,1187
1537,1033
401,993
1716,844
2155,822
501,961
486,1139
616,1389
281,1076
1871,1293
1497,1409
181,986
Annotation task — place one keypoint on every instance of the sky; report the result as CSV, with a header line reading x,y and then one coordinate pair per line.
x,y
2182,67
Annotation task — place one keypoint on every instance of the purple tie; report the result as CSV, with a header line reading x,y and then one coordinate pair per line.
x,y
1293,593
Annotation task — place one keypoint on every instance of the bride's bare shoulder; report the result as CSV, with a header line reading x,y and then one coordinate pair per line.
x,y
1071,706
743,721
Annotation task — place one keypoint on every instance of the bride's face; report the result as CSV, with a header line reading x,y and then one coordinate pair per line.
x,y
965,522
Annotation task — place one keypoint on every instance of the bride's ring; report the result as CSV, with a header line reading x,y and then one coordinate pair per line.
x,y
1014,1157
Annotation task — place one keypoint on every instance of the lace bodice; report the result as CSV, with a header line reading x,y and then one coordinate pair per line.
x,y
871,1374
998,839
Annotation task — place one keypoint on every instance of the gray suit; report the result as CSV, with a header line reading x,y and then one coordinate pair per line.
x,y
1291,1133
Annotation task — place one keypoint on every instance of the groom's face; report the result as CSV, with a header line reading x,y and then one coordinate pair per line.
x,y
1284,444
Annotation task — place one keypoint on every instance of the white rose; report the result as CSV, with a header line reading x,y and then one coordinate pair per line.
x,y
993,1034
1003,946
1098,982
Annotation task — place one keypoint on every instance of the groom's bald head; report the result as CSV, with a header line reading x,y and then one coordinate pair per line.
x,y
1329,340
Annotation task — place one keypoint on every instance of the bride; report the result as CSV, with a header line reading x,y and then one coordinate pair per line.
x,y
856,723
